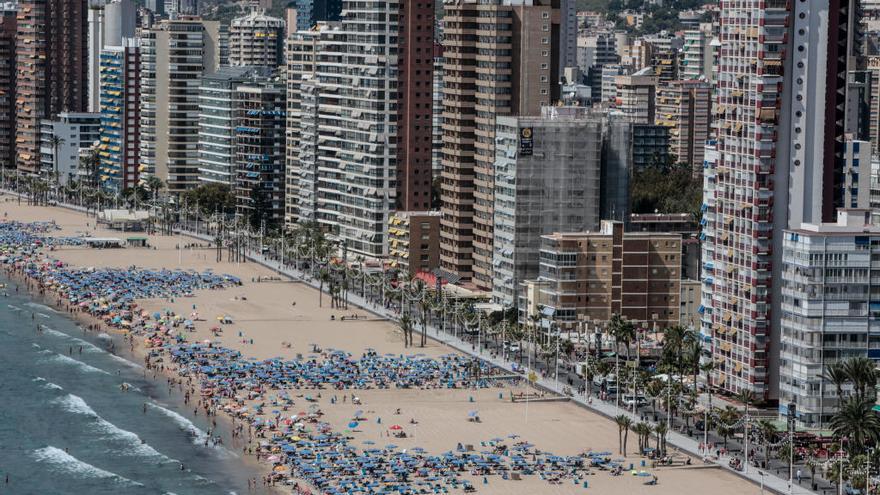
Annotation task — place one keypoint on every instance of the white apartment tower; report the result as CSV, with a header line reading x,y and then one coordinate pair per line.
x,y
348,179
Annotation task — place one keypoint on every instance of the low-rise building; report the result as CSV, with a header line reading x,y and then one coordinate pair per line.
x,y
594,275
414,241
61,141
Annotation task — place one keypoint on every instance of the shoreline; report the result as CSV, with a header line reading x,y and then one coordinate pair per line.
x,y
136,354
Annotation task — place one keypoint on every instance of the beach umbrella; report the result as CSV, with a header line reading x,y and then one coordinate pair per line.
x,y
395,427
353,424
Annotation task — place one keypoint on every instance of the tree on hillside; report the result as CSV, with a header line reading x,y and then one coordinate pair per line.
x,y
666,189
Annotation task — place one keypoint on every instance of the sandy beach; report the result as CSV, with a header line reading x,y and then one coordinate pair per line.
x,y
267,314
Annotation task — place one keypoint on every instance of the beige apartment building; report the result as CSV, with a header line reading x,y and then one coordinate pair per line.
x,y
501,58
175,54
636,95
593,275
685,107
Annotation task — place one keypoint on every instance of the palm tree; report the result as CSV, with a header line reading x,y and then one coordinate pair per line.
x,y
862,372
661,430
623,423
154,185
768,433
424,314
624,332
56,142
836,373
653,390
727,420
812,465
856,420
643,430
323,276
406,326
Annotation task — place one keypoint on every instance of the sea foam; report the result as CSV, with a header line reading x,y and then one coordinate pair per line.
x,y
198,436
70,465
61,358
134,446
41,307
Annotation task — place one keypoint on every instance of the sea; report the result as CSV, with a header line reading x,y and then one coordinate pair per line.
x,y
66,427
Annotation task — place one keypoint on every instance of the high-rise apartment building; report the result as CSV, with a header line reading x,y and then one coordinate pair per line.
x,y
415,82
301,50
217,117
830,309
873,67
597,50
7,86
500,59
370,158
593,275
175,54
259,152
739,194
547,178
256,40
617,167
120,92
51,77
779,162
685,107
698,53
437,115
109,23
636,95
178,9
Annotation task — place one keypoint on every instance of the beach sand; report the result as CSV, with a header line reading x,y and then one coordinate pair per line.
x,y
264,314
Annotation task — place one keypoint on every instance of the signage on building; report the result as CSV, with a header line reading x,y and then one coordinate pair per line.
x,y
525,141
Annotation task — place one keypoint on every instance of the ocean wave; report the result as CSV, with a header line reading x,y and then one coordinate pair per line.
x,y
124,361
75,404
61,358
43,315
39,379
35,345
53,332
72,466
13,307
198,436
86,345
52,386
41,307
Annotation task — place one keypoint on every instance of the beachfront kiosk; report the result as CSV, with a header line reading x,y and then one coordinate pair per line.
x,y
124,220
103,242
